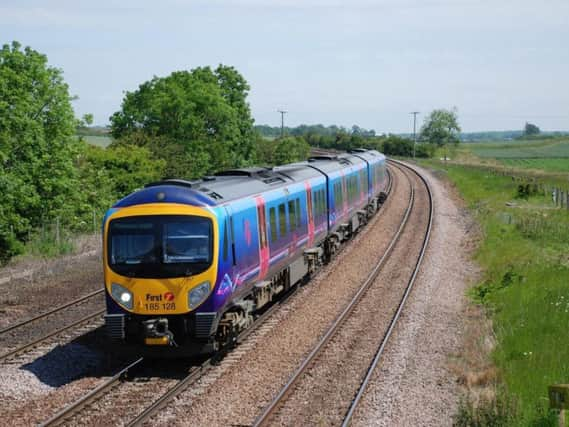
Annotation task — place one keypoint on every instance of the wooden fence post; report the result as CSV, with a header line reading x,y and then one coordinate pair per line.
x,y
57,236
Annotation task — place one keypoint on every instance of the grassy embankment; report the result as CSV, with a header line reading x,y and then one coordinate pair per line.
x,y
525,288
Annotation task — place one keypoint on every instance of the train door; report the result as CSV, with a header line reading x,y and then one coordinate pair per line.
x,y
309,214
264,253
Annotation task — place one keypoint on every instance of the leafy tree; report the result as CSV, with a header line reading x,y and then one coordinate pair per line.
x,y
530,129
37,148
441,127
198,121
88,119
264,151
290,149
109,174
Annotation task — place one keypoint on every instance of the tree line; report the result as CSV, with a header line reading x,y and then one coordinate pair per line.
x,y
185,125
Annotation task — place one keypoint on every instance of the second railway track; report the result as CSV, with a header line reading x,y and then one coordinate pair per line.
x,y
328,384
68,318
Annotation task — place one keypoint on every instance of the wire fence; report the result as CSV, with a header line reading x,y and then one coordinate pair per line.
x,y
528,185
59,236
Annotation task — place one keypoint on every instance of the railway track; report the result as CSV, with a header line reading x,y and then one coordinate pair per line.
x,y
194,374
16,329
294,388
128,373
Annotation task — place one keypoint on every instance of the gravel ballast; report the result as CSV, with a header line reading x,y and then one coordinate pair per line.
x,y
414,384
323,394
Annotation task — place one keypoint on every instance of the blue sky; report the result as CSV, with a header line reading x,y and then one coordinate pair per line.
x,y
501,63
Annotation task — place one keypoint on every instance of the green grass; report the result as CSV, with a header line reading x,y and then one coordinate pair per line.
x,y
550,165
554,148
525,256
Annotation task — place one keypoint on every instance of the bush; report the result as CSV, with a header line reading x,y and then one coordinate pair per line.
x,y
487,413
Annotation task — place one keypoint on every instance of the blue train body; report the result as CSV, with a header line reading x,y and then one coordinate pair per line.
x,y
190,264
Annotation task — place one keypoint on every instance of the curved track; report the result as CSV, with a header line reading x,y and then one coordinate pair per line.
x,y
122,377
377,357
271,411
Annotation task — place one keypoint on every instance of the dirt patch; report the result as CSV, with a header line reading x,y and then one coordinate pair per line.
x,y
58,282
32,267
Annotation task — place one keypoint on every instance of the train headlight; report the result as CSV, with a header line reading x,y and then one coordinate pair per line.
x,y
122,295
197,295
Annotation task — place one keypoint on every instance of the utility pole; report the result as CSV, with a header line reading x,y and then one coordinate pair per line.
x,y
282,121
414,130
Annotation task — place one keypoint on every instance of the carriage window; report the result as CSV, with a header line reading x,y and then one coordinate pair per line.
x,y
297,207
315,204
291,215
273,221
282,220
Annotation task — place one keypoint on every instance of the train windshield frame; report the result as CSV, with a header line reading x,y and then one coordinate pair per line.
x,y
160,246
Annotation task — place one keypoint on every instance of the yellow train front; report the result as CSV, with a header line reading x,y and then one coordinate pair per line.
x,y
160,264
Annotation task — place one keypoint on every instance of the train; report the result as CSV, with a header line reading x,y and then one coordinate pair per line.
x,y
189,265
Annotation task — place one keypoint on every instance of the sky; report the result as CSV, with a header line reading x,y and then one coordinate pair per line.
x,y
500,63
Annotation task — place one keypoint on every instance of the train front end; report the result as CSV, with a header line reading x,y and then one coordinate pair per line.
x,y
160,268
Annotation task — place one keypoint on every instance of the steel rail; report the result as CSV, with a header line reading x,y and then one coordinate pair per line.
x,y
76,406
193,376
377,357
270,409
35,342
50,312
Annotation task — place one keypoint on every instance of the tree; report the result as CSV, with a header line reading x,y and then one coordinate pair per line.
x,y
441,127
290,149
88,119
109,174
531,129
37,148
198,121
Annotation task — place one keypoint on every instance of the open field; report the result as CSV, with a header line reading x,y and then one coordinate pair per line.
x,y
545,164
547,157
523,149
524,288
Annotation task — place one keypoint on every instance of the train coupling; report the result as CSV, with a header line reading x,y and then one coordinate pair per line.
x,y
156,332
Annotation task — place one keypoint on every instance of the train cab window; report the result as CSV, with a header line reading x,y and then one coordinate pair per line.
x,y
291,215
160,246
273,224
282,220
